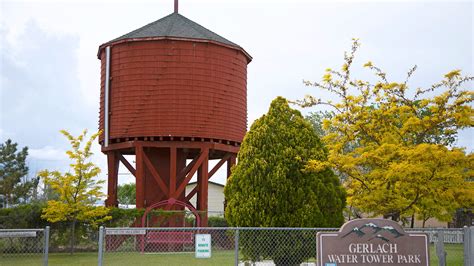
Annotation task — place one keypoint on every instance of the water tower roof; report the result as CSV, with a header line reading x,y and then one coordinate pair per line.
x,y
176,25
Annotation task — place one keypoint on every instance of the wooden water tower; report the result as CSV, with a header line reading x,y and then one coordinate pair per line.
x,y
174,94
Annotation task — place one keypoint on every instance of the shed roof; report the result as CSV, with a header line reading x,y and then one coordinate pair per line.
x,y
210,183
176,25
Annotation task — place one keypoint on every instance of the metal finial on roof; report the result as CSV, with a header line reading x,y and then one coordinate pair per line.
x,y
175,6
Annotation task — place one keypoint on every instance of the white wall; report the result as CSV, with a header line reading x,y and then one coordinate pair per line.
x,y
215,201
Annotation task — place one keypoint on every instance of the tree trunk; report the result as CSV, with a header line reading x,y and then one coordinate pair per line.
x,y
6,201
412,225
393,216
73,234
396,217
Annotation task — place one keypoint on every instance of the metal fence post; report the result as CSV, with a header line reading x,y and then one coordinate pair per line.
x,y
469,246
101,245
440,249
236,247
46,246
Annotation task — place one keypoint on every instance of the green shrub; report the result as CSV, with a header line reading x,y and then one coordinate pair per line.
x,y
215,221
124,217
22,216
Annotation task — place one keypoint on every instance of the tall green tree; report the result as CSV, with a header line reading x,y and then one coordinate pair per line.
x,y
14,184
271,186
394,144
126,193
77,190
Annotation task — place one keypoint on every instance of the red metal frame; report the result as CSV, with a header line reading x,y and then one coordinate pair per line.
x,y
169,203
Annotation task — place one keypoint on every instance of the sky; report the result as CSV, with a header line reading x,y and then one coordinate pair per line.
x,y
49,71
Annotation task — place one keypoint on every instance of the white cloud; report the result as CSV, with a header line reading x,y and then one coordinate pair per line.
x,y
47,153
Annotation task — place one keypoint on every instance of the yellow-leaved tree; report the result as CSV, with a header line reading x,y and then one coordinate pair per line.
x,y
394,146
77,190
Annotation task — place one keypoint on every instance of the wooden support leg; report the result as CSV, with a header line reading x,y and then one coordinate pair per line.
x,y
172,185
173,159
230,163
113,167
202,194
140,177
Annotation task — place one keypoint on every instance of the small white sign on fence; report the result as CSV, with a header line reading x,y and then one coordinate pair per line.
x,y
203,246
17,234
125,231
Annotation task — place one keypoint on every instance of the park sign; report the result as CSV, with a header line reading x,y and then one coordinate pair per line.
x,y
9,234
203,246
125,231
372,242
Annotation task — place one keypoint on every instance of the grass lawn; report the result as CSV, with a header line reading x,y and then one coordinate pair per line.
x,y
455,257
134,259
218,258
455,254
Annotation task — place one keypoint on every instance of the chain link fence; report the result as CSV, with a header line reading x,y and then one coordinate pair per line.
x,y
214,246
450,235
24,246
243,246
164,246
279,246
226,246
455,247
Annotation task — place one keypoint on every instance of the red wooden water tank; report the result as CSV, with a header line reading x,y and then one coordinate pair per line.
x,y
175,92
179,88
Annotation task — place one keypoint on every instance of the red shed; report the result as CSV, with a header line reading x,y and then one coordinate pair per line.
x,y
172,92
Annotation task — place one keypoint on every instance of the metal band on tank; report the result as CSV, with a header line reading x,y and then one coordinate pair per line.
x,y
107,93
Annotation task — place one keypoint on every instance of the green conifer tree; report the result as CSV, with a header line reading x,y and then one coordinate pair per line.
x,y
271,186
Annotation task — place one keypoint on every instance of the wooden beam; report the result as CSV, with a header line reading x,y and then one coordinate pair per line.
x,y
231,162
192,193
188,167
211,173
189,144
112,168
166,144
177,144
185,171
189,203
118,146
218,165
172,170
127,164
155,174
140,178
225,147
203,156
202,194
